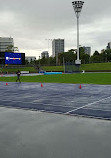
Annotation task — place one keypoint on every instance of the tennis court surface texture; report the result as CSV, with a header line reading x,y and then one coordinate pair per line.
x,y
89,100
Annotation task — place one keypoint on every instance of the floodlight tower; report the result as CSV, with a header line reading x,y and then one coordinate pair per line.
x,y
77,5
48,43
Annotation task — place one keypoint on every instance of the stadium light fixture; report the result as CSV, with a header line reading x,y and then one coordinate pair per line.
x,y
77,5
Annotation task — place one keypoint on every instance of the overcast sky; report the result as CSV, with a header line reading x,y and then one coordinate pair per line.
x,y
31,22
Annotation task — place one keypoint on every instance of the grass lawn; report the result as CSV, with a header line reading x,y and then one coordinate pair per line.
x,y
86,78
96,67
87,67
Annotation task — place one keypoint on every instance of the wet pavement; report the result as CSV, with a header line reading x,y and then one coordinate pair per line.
x,y
33,134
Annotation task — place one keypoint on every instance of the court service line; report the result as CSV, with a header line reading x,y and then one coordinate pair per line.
x,y
87,105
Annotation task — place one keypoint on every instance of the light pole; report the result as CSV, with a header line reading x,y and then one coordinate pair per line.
x,y
48,50
77,5
39,63
48,43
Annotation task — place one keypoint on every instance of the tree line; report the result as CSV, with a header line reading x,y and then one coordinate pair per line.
x,y
71,56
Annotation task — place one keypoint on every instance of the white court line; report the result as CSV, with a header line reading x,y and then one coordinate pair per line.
x,y
87,105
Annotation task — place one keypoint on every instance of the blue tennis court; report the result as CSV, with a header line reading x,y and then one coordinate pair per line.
x,y
89,101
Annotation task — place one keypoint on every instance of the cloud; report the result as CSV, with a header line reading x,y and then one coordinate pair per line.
x,y
30,22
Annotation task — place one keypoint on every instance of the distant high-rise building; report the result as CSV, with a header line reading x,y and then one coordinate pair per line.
x,y
108,46
45,54
87,50
5,42
30,58
57,46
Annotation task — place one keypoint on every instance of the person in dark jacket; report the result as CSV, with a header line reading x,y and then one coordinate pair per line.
x,y
18,76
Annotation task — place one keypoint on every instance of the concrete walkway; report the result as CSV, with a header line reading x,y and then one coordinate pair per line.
x,y
32,134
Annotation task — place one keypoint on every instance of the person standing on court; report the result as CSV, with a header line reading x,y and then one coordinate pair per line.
x,y
18,76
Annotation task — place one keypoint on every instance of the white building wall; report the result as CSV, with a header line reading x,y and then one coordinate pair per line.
x,y
5,42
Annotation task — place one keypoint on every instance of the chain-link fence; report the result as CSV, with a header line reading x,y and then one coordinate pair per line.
x,y
71,67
